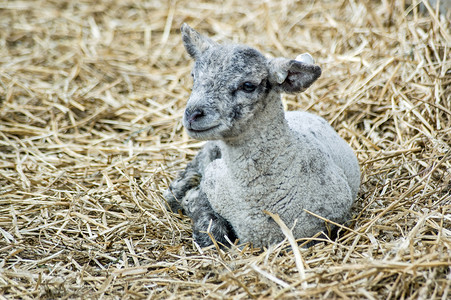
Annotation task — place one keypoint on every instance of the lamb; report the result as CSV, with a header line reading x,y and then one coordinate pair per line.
x,y
258,157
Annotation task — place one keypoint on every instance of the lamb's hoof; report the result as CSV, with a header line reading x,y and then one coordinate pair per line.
x,y
220,230
172,203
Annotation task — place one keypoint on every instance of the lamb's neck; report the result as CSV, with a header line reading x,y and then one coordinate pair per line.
x,y
260,149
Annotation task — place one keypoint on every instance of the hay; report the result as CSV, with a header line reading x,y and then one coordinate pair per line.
x,y
91,99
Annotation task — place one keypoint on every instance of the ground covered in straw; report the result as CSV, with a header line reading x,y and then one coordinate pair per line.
x,y
91,97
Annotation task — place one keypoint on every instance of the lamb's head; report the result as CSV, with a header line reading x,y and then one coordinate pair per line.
x,y
234,83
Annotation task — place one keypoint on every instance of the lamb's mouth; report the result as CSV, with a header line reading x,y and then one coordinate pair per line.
x,y
202,130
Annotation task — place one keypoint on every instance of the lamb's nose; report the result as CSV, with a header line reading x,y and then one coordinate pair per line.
x,y
194,116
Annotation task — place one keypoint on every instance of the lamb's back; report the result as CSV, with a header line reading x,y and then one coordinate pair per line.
x,y
317,129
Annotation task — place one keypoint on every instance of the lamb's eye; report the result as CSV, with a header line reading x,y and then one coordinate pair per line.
x,y
248,87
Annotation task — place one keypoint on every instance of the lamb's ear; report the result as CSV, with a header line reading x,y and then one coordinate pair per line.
x,y
195,43
293,75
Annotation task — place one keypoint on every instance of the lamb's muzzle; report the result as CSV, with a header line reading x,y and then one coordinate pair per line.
x,y
199,120
193,118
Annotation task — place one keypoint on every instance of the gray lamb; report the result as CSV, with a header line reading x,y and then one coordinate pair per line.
x,y
259,157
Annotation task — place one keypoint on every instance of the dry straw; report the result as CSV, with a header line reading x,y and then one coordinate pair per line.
x,y
91,97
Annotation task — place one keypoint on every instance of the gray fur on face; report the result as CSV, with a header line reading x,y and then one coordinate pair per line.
x,y
259,157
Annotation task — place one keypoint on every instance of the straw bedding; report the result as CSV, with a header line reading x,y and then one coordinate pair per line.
x,y
92,93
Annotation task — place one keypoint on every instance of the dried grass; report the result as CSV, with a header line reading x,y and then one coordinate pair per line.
x,y
91,98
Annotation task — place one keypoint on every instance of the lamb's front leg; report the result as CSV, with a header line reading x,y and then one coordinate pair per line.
x,y
190,178
205,220
184,194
